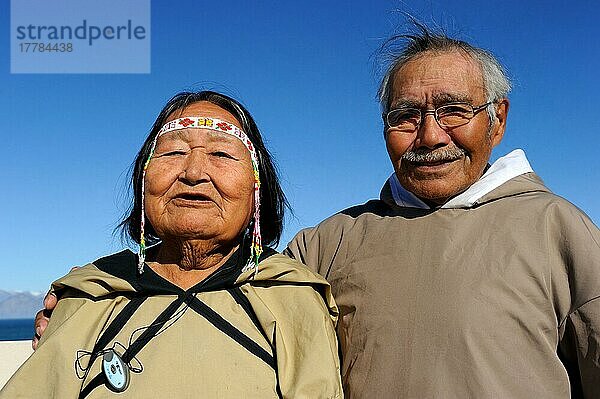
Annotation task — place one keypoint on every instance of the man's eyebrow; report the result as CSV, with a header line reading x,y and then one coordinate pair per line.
x,y
405,103
438,99
445,98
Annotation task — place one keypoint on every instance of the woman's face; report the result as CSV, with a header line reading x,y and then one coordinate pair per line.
x,y
200,183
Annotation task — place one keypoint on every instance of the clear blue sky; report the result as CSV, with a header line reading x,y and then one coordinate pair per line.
x,y
306,72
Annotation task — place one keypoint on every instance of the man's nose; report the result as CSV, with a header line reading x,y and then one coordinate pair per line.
x,y
195,168
430,134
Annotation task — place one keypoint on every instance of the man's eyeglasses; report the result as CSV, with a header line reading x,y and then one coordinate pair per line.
x,y
448,116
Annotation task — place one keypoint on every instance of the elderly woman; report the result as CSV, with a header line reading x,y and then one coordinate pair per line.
x,y
204,309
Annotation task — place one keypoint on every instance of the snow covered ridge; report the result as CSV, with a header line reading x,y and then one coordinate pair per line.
x,y
19,304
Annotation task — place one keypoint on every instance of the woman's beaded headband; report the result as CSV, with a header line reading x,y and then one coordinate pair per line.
x,y
196,122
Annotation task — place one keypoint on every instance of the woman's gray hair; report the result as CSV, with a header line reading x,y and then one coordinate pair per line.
x,y
401,49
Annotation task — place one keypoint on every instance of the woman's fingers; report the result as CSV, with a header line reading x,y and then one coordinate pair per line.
x,y
39,325
42,318
50,301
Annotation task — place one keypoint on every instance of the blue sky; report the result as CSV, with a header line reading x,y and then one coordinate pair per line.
x,y
306,72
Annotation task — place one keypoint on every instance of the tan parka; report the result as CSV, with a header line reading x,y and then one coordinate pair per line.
x,y
234,335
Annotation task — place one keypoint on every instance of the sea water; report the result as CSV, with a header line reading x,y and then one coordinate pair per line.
x,y
16,329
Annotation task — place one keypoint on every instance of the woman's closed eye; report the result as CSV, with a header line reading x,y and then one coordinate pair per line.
x,y
172,153
223,154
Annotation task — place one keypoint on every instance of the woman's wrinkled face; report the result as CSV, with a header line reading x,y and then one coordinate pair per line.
x,y
200,182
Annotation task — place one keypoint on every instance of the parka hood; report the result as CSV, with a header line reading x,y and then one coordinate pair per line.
x,y
116,275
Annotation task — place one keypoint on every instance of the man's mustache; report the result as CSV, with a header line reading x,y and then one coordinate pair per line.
x,y
439,155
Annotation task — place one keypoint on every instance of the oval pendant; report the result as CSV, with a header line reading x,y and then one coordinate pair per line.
x,y
115,370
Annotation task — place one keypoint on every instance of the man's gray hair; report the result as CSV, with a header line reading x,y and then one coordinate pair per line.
x,y
400,49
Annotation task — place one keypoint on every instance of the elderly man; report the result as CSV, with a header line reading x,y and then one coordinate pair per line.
x,y
464,280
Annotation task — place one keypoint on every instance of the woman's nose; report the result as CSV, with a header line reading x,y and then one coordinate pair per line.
x,y
195,168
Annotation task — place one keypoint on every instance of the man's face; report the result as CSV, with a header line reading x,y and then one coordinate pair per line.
x,y
458,156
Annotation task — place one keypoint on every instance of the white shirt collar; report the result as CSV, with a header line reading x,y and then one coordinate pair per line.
x,y
505,168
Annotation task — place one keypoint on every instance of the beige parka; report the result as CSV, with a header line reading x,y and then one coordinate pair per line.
x,y
235,335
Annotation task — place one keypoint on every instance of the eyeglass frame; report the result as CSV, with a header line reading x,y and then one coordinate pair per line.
x,y
434,112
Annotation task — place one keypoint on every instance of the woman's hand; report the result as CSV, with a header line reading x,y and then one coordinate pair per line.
x,y
42,318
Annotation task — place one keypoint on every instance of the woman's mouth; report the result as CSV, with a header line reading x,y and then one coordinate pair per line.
x,y
192,199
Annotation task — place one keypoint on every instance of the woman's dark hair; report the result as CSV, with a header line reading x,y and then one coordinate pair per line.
x,y
272,198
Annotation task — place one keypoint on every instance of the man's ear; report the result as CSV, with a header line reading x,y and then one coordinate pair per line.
x,y
501,111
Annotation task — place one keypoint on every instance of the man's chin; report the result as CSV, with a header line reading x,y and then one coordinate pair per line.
x,y
434,190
